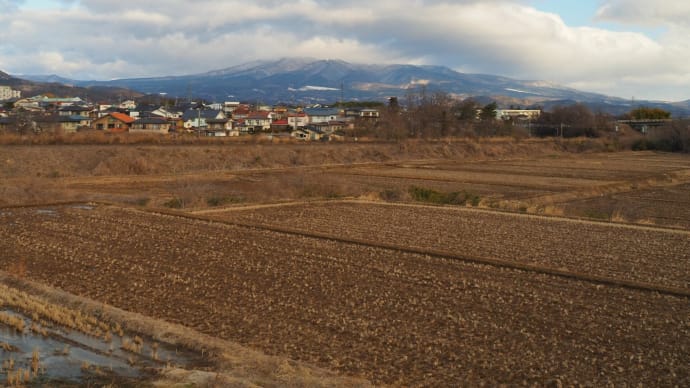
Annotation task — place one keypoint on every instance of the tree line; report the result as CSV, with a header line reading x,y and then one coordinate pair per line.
x,y
439,115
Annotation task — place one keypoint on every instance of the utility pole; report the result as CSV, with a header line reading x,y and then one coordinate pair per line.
x,y
198,120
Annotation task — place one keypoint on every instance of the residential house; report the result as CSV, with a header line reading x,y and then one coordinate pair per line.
x,y
128,105
219,127
280,112
280,126
322,115
240,112
307,134
368,113
45,101
176,124
330,127
258,121
297,120
61,124
28,104
113,122
150,125
165,113
195,119
104,110
75,110
230,106
518,114
362,113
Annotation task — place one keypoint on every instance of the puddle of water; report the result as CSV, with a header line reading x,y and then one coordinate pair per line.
x,y
83,207
70,355
47,212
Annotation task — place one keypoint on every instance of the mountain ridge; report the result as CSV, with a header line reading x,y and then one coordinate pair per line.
x,y
308,80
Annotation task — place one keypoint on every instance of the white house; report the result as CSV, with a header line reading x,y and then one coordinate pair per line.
x,y
129,105
162,112
322,115
258,121
518,114
297,120
196,118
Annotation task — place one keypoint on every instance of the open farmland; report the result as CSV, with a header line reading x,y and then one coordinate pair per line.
x,y
411,264
392,316
581,248
669,206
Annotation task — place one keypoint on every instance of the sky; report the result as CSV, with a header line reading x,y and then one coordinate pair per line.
x,y
624,48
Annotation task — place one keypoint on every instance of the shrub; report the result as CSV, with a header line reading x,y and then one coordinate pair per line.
x,y
175,203
643,145
390,195
422,194
596,214
220,201
142,201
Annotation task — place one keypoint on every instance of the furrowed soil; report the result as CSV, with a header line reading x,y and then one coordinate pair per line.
x,y
646,255
453,263
391,316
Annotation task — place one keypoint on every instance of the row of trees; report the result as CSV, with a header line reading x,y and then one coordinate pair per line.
x,y
440,115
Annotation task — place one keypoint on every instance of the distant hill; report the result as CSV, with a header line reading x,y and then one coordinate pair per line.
x,y
5,77
66,88
306,80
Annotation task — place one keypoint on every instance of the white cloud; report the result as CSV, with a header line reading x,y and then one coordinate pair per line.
x,y
644,12
106,39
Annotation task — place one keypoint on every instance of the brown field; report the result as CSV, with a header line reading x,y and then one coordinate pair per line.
x,y
669,206
562,267
618,252
392,316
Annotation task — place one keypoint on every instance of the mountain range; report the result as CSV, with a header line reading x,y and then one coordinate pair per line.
x,y
307,80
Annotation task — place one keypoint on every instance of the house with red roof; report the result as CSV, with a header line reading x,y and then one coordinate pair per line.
x,y
113,122
280,125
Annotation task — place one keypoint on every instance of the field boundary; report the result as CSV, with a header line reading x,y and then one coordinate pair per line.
x,y
669,179
506,212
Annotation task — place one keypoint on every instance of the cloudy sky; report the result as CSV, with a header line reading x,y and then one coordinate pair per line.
x,y
624,48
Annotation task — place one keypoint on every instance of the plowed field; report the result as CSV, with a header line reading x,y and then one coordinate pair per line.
x,y
629,253
669,206
392,316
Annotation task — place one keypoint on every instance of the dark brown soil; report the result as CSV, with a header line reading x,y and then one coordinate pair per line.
x,y
397,318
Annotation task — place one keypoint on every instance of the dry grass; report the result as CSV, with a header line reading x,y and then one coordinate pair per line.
x,y
206,174
45,312
13,321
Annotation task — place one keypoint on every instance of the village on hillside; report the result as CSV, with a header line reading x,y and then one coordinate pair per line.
x,y
159,115
48,114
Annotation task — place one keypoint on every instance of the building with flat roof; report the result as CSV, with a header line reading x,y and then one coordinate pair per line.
x,y
7,93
